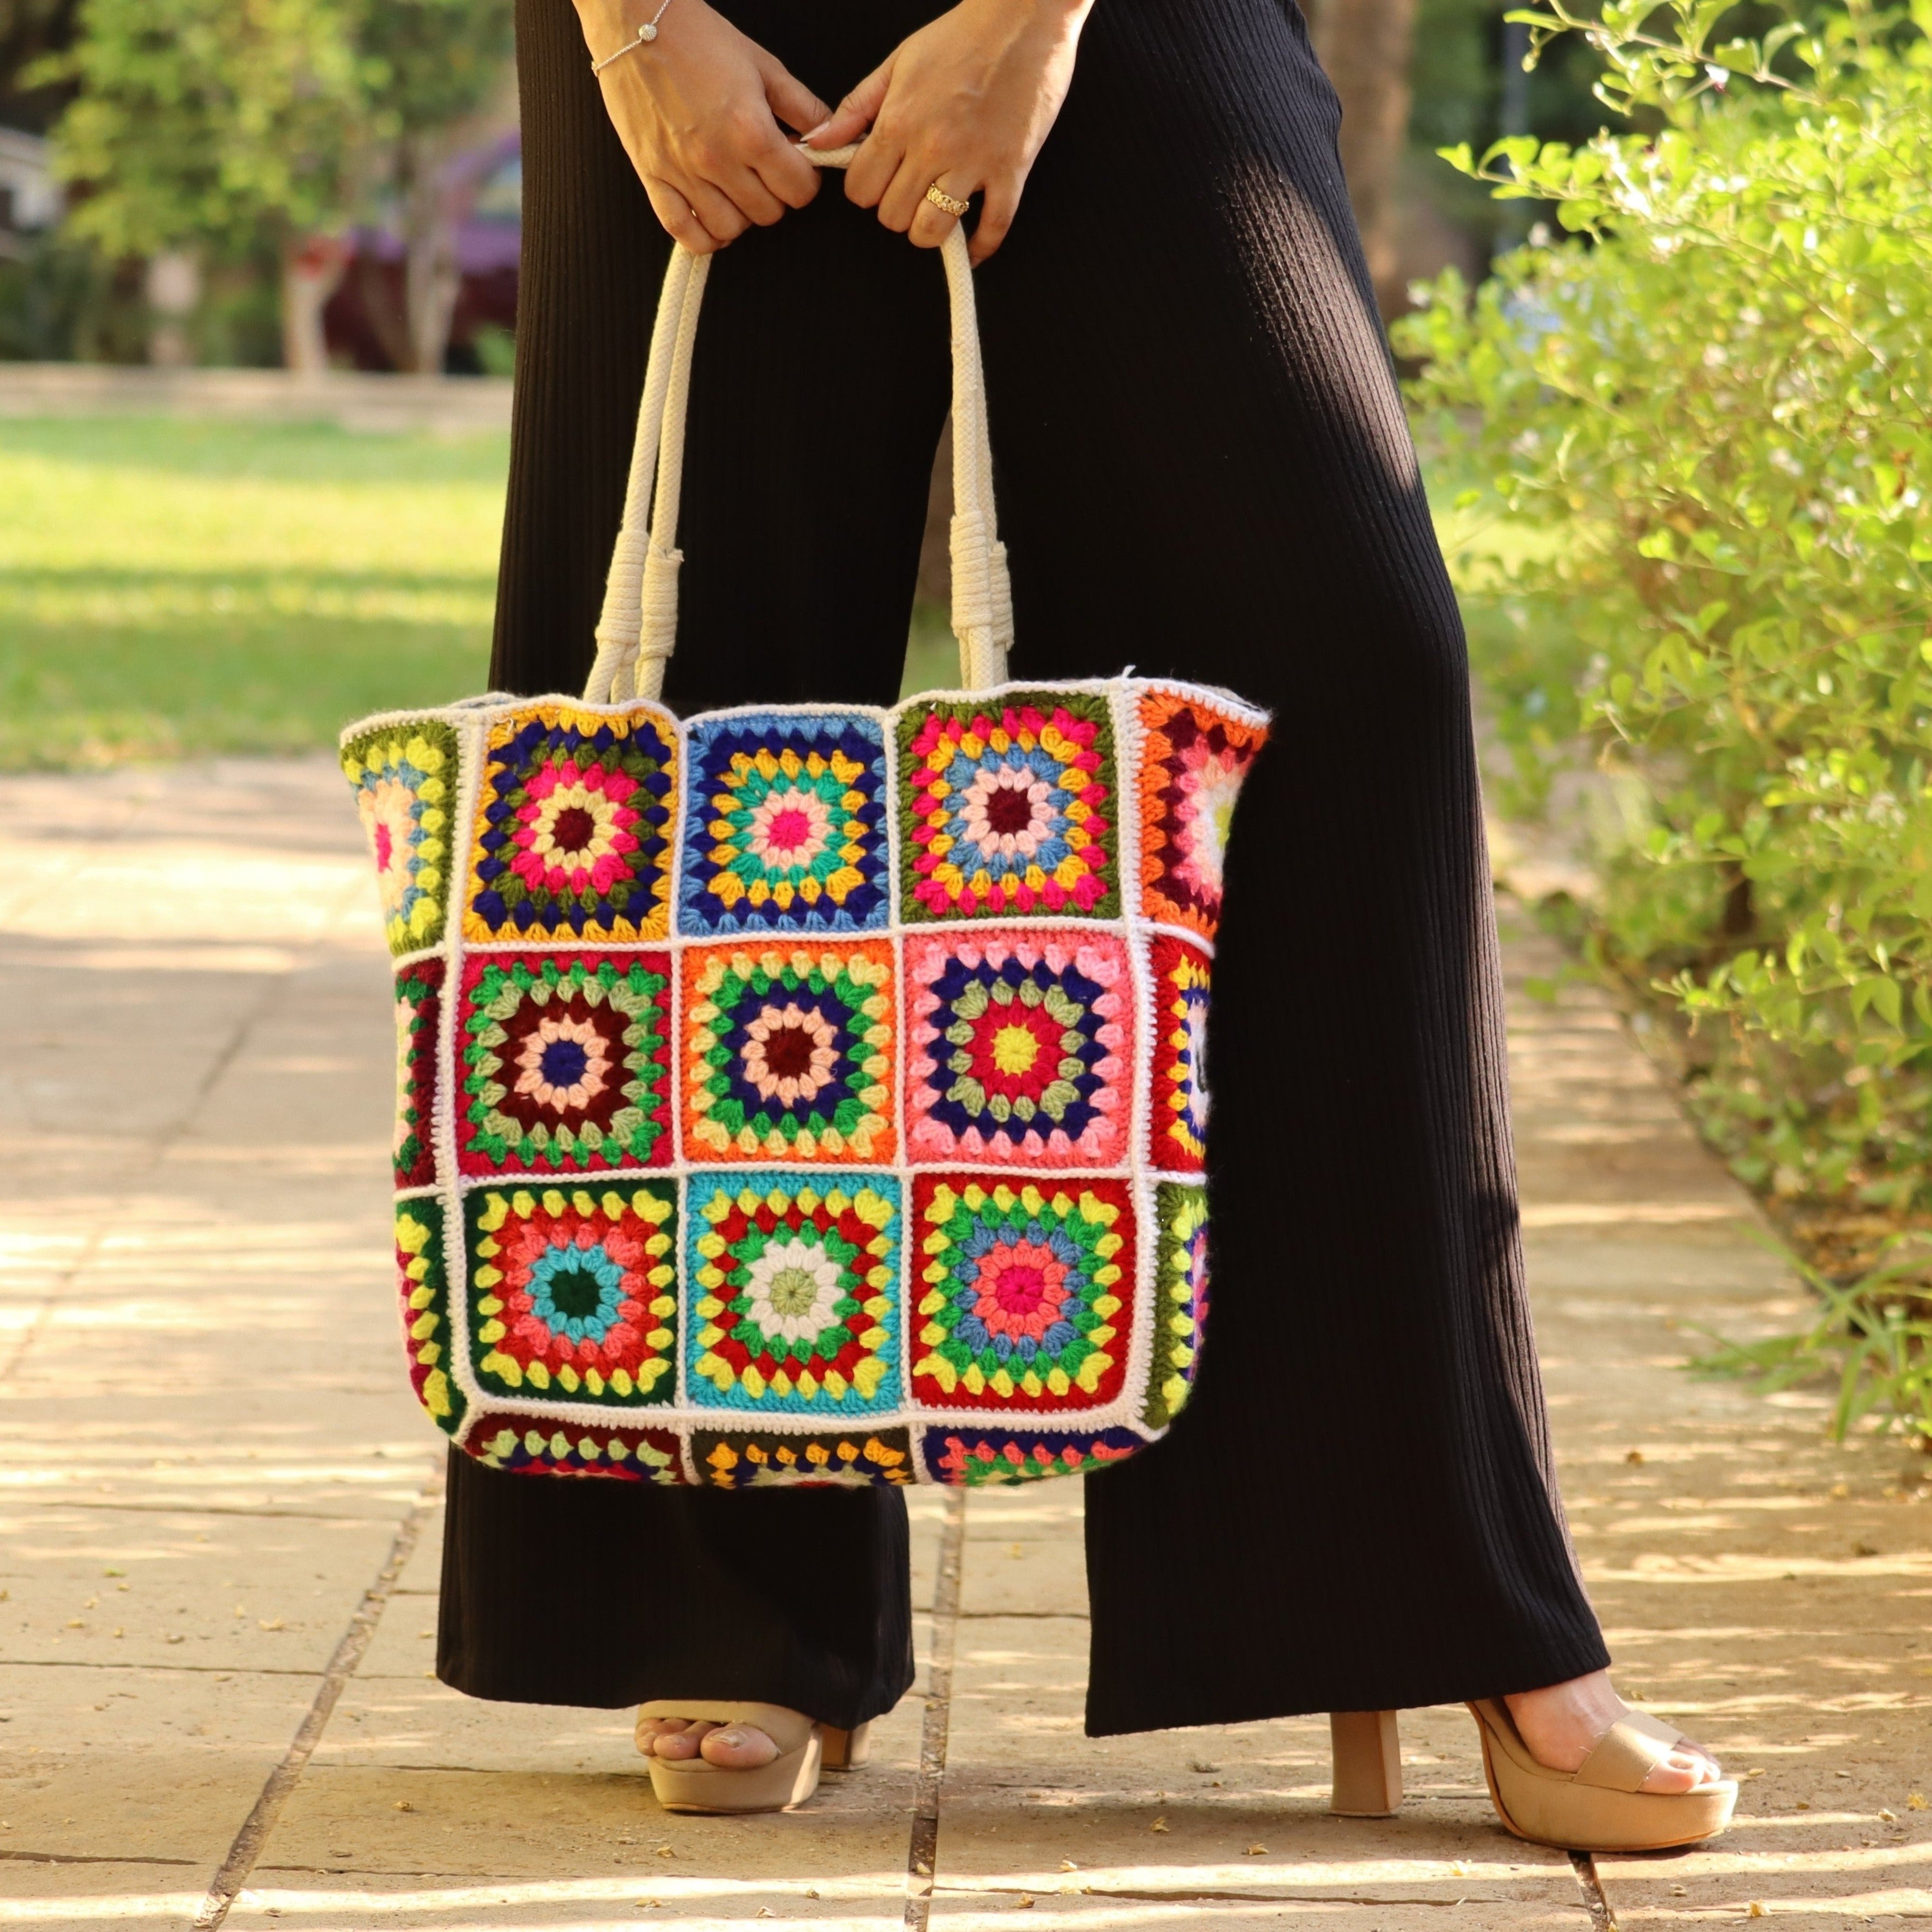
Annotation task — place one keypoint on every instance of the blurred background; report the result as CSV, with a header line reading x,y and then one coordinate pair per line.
x,y
193,558
315,183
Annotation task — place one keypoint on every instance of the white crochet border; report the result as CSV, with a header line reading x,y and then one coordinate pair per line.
x,y
471,719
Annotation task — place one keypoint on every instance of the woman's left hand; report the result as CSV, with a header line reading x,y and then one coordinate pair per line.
x,y
964,104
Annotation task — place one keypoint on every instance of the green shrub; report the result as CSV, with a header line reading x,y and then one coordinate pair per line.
x,y
1709,410
1871,1338
61,302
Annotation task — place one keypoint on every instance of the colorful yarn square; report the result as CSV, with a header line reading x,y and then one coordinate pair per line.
x,y
1019,1048
789,1052
1028,1293
976,1459
423,1282
1009,808
859,1458
784,826
1180,1300
573,1292
795,1290
1195,762
418,1019
565,1063
404,777
536,1446
1178,1116
573,828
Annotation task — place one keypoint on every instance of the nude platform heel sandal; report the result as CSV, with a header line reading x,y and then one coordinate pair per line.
x,y
1367,1749
804,1749
1598,1807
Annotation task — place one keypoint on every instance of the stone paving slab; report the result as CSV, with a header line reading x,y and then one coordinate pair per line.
x,y
170,1589
198,1386
153,1768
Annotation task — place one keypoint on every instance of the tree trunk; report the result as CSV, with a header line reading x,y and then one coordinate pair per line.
x,y
431,277
1365,45
172,283
312,267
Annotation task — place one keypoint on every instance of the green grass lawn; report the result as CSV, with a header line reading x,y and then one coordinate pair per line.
x,y
169,586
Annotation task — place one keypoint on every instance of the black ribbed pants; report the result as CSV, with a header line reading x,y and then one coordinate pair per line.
x,y
1203,470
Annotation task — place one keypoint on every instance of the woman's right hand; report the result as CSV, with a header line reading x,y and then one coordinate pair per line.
x,y
697,110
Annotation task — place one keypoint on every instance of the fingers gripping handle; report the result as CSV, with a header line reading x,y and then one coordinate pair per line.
x,y
637,630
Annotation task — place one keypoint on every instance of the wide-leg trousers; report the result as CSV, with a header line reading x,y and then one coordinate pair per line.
x,y
1203,469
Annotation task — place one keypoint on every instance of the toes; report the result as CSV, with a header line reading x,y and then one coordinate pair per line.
x,y
677,1746
739,1748
1686,1767
1672,1775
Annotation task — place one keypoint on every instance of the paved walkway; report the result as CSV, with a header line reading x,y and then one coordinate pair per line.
x,y
218,1559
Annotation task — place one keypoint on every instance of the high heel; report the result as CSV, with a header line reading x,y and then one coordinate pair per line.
x,y
847,1751
1366,1747
696,1784
1599,1807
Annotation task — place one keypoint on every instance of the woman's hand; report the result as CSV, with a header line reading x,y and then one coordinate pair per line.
x,y
964,103
697,110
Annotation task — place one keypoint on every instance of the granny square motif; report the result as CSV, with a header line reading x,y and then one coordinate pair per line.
x,y
805,1095
1177,1118
789,1052
1008,802
785,830
564,1063
404,775
1029,1293
1180,1297
798,1306
571,1291
570,838
418,1031
1020,1047
1195,759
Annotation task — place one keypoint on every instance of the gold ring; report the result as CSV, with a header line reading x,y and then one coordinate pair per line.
x,y
950,203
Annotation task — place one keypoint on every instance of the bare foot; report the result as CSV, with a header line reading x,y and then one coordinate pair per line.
x,y
730,1747
1561,1723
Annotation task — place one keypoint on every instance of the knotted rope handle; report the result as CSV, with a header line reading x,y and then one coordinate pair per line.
x,y
638,629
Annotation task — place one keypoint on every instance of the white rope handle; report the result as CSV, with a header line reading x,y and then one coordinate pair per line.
x,y
638,629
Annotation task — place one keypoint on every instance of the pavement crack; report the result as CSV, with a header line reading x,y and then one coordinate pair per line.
x,y
228,1882
345,1519
104,1663
1024,1616
1356,1898
922,1850
88,1858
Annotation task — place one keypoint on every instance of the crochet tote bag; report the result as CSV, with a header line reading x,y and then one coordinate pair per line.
x,y
808,1093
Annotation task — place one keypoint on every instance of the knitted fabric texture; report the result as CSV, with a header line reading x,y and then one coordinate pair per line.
x,y
812,1095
